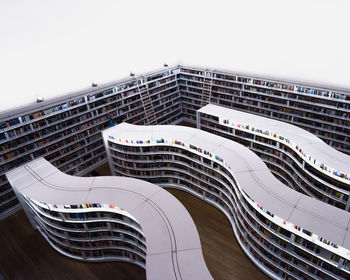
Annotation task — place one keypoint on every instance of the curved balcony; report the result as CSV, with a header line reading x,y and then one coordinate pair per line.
x,y
78,217
286,237
320,170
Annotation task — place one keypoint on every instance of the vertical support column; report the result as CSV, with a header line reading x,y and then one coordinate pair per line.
x,y
26,209
292,238
83,254
62,216
109,156
347,207
198,119
211,86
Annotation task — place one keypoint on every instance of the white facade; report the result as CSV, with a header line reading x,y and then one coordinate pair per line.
x,y
285,233
66,130
111,218
297,157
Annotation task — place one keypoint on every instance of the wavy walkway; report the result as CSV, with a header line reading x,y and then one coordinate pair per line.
x,y
300,159
173,245
286,233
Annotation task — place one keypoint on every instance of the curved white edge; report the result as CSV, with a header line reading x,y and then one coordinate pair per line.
x,y
309,147
173,244
253,178
310,144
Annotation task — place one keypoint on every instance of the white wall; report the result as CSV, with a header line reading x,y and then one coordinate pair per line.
x,y
50,47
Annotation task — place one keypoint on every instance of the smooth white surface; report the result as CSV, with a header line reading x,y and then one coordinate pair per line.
x,y
49,48
167,226
311,144
253,177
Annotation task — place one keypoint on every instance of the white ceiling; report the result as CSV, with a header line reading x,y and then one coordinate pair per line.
x,y
51,47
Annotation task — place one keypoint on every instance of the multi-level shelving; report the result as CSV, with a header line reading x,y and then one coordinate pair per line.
x,y
298,158
322,110
90,232
150,228
66,130
287,234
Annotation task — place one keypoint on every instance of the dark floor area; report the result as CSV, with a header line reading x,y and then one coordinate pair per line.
x,y
25,254
188,124
223,255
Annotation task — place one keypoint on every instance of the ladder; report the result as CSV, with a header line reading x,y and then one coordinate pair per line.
x,y
147,105
207,88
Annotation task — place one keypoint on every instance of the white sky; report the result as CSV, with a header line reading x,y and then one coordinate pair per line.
x,y
52,47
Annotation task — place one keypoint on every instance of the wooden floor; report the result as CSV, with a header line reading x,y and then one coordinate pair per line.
x,y
24,253
223,255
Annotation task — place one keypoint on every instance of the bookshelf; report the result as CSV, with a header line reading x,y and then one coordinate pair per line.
x,y
234,180
70,126
101,219
300,159
67,131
